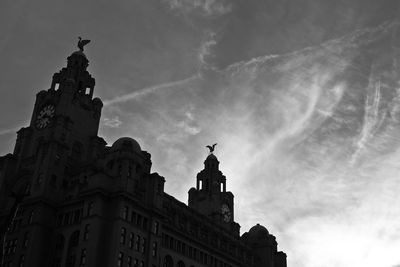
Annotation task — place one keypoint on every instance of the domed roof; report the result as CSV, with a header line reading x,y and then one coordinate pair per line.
x,y
126,143
78,53
211,157
258,232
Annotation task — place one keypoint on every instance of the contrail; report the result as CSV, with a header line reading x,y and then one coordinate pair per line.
x,y
147,90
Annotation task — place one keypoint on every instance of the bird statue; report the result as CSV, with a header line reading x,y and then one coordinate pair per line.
x,y
212,148
82,43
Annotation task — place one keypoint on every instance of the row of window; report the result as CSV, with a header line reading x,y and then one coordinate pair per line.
x,y
135,241
21,262
137,168
135,218
71,260
139,220
17,222
210,237
10,245
72,217
130,262
191,252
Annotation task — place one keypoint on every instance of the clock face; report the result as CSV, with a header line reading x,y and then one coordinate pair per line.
x,y
226,213
44,116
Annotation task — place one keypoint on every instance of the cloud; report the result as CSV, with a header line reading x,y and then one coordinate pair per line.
x,y
287,128
205,50
206,7
113,123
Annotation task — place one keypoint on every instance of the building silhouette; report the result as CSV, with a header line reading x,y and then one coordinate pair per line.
x,y
67,199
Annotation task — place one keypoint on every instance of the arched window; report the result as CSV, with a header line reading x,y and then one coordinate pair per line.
x,y
72,245
60,242
181,264
59,248
74,239
168,262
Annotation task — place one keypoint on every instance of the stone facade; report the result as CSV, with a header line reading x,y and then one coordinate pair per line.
x,y
68,199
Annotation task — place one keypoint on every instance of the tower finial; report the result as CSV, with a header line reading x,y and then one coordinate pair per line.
x,y
82,43
211,148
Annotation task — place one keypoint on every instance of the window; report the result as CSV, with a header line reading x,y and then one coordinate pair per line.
x,y
30,218
21,261
125,213
7,247
77,216
123,235
136,263
142,264
137,242
83,257
86,232
66,219
129,263
156,227
120,260
26,240
131,235
74,239
154,250
143,244
139,220
39,179
27,190
14,245
129,171
89,209
168,262
133,217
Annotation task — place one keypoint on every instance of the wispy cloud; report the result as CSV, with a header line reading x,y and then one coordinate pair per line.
x,y
207,7
113,123
205,50
288,127
147,90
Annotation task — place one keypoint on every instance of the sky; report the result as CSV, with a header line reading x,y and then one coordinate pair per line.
x,y
302,97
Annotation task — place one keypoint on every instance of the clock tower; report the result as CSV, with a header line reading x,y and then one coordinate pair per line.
x,y
210,196
63,130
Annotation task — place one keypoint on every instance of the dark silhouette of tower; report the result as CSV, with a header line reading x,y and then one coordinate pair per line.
x,y
67,199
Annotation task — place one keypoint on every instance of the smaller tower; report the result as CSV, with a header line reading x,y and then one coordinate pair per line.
x,y
210,196
264,246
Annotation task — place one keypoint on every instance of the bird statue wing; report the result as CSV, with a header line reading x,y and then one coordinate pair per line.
x,y
85,42
82,43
